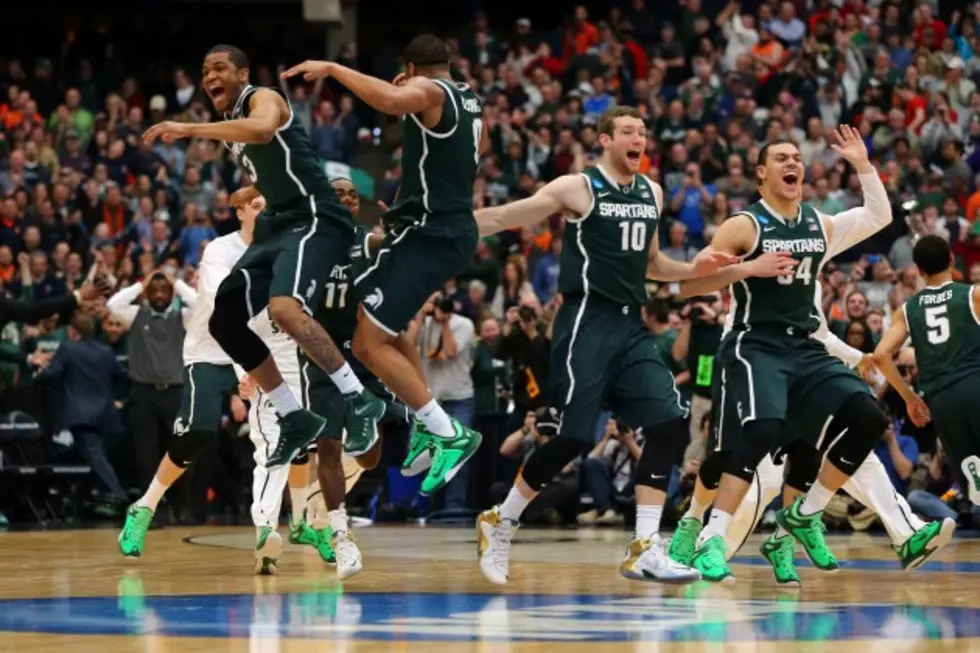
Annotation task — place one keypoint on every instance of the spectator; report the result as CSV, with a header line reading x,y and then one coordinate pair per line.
x,y
931,502
197,232
527,350
445,340
608,472
688,201
545,278
677,247
899,454
326,134
513,286
489,374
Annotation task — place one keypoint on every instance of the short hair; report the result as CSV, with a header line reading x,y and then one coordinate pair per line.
x,y
235,55
658,309
607,122
427,50
764,152
932,254
83,323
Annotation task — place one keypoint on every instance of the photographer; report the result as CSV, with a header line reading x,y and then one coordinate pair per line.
x,y
528,351
608,472
445,340
697,344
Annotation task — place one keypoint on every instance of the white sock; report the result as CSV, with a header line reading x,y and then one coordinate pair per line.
x,y
346,381
647,521
513,506
338,519
436,420
297,497
717,525
153,495
816,499
696,510
284,401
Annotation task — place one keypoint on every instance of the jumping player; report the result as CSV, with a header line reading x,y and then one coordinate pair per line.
x,y
433,236
943,320
602,352
303,232
771,367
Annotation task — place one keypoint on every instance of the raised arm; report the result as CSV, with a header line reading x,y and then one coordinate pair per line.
x,y
850,227
883,359
567,194
267,111
735,237
415,95
121,304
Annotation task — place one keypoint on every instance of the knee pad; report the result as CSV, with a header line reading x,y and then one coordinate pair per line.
x,y
545,463
759,437
185,448
854,432
804,465
711,469
663,448
229,327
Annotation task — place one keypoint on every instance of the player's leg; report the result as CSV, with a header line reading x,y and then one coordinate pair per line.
x,y
857,425
581,353
267,485
204,390
959,430
326,399
803,465
644,397
754,379
410,266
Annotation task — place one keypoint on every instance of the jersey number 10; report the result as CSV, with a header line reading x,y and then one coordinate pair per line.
x,y
634,235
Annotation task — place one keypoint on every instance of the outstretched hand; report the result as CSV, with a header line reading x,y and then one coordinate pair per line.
x,y
771,264
709,261
850,145
168,131
309,69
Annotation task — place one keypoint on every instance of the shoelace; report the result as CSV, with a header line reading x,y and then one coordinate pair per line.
x,y
500,546
345,548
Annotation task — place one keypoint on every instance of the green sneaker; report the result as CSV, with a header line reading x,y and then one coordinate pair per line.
x,y
925,542
778,551
420,450
685,541
296,430
808,530
451,454
709,559
362,414
327,554
301,533
268,548
134,531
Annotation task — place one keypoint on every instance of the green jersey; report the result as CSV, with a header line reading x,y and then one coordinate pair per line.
x,y
789,302
605,252
945,333
439,163
338,314
286,170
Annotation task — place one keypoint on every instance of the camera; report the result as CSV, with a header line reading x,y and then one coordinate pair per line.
x,y
527,314
445,305
697,313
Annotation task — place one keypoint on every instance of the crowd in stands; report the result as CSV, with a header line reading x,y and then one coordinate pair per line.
x,y
81,195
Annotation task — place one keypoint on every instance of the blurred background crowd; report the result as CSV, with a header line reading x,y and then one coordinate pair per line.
x,y
82,197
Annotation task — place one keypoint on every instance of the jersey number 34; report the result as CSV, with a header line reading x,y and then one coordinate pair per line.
x,y
802,273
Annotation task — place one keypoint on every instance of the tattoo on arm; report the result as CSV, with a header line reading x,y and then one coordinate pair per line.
x,y
318,345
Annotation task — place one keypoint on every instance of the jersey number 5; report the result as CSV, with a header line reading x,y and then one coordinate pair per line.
x,y
938,323
802,273
250,170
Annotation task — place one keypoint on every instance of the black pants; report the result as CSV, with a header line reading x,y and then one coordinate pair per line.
x,y
88,440
152,411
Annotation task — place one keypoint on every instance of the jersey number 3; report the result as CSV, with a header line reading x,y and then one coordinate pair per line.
x,y
938,325
802,273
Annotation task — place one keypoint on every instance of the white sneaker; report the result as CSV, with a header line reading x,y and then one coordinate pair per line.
x,y
647,559
268,548
348,555
609,518
493,534
971,470
588,518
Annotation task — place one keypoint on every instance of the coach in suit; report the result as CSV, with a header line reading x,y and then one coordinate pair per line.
x,y
87,369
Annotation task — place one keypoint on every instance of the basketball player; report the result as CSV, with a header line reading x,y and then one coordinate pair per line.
x,y
303,232
771,368
943,320
602,351
913,540
433,236
208,378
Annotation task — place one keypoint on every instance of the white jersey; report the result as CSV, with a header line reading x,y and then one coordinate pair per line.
x,y
219,258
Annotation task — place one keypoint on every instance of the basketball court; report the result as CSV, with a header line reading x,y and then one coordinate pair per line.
x,y
194,591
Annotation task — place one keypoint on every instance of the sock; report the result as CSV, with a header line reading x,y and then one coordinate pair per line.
x,y
338,519
346,381
284,401
513,506
436,420
816,499
153,495
647,521
696,510
717,525
297,497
